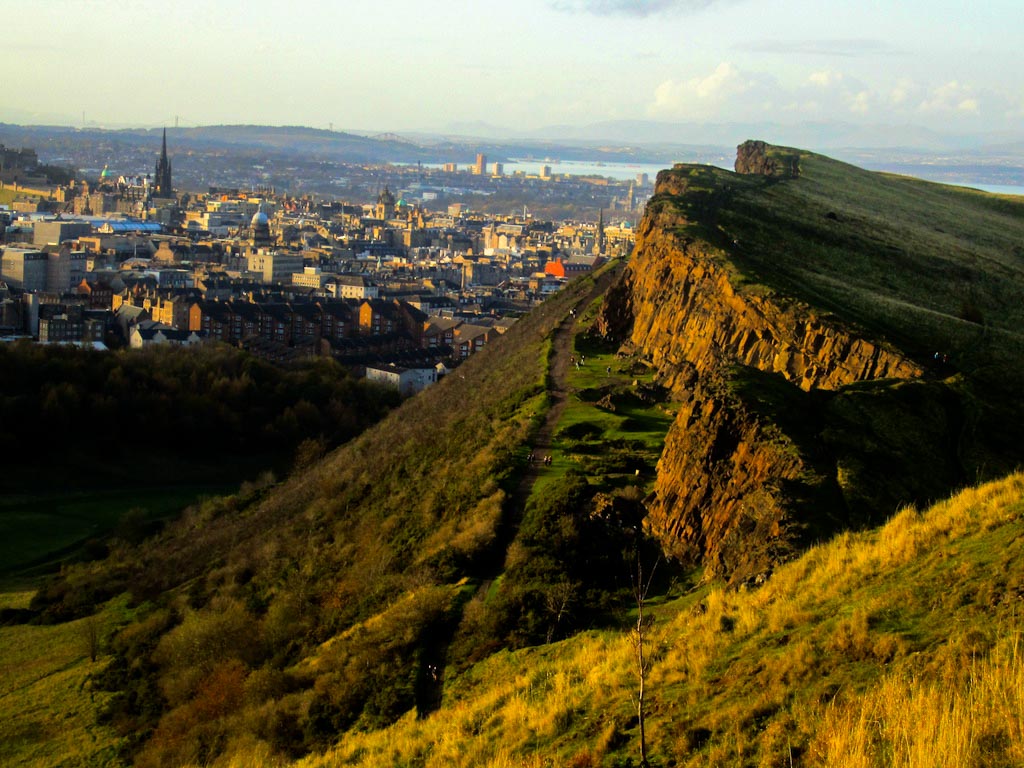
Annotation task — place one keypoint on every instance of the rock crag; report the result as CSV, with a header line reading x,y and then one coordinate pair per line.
x,y
792,423
760,159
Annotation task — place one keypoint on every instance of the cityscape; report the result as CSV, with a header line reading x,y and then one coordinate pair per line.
x,y
399,285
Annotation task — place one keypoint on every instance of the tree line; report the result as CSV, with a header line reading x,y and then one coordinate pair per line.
x,y
73,416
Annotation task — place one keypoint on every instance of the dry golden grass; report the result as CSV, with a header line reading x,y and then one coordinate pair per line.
x,y
908,722
749,668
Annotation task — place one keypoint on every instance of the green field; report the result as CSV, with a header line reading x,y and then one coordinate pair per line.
x,y
614,424
40,530
47,707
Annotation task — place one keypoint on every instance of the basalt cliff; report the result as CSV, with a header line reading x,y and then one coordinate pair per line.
x,y
835,352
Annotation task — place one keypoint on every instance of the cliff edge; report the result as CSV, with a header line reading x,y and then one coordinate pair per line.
x,y
805,314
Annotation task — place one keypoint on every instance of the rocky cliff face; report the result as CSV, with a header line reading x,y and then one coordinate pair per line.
x,y
789,419
758,158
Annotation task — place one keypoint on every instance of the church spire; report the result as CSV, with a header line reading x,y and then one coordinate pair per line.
x,y
162,180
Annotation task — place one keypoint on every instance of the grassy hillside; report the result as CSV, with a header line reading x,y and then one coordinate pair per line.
x,y
894,647
301,585
929,266
48,705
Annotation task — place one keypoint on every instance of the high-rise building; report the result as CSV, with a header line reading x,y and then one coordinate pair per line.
x,y
162,179
481,164
499,169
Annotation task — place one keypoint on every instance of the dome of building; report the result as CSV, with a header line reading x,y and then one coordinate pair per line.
x,y
260,229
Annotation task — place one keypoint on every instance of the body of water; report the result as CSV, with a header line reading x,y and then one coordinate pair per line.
x,y
619,171
999,189
629,171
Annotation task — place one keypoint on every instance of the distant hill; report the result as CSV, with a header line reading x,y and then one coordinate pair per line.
x,y
61,142
337,145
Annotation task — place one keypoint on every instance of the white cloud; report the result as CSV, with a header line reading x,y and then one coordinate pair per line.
x,y
952,97
834,91
702,96
730,94
860,102
903,92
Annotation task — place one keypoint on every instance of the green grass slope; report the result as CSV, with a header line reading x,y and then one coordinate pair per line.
x,y
892,647
929,266
282,614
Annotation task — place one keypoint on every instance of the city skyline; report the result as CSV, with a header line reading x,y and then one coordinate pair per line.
x,y
395,66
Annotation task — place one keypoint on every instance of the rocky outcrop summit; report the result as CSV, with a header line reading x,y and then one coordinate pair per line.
x,y
760,159
794,421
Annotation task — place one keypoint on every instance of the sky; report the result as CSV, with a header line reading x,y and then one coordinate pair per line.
x,y
399,65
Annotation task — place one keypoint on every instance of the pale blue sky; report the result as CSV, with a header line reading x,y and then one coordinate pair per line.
x,y
401,65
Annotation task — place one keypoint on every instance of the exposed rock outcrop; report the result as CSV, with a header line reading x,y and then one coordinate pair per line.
x,y
760,159
774,445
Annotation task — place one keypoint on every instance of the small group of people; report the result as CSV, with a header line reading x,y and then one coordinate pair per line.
x,y
546,460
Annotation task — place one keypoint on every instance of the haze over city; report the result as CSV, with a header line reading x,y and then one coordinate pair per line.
x,y
516,69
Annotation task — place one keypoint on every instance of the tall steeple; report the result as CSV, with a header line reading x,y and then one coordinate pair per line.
x,y
599,235
162,179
